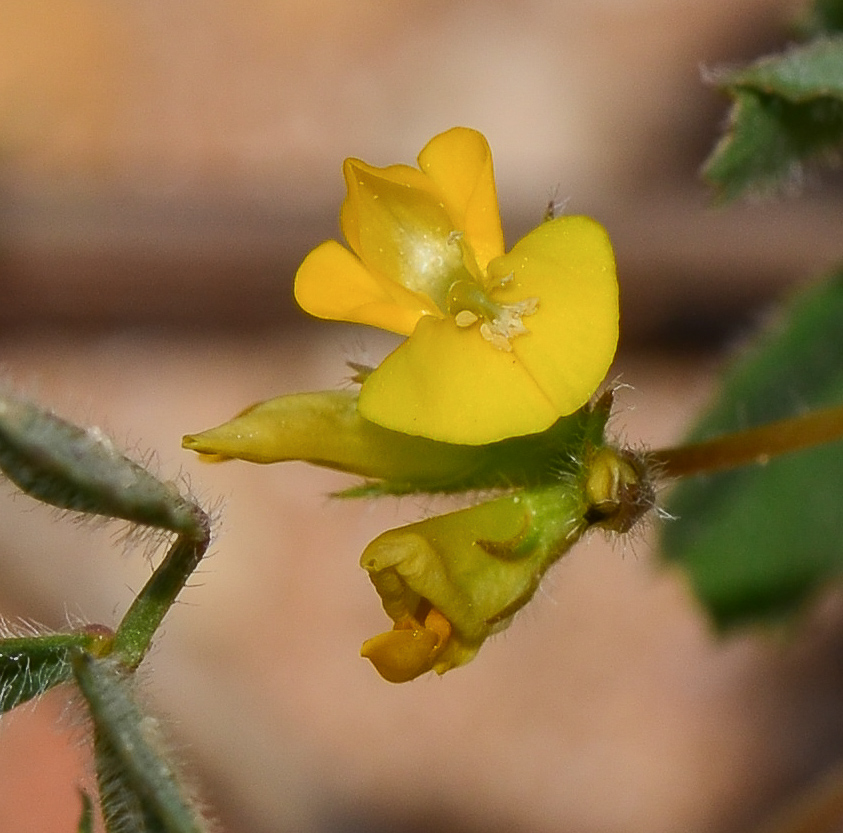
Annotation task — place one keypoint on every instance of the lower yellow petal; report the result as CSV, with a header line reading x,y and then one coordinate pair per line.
x,y
401,655
449,384
332,283
568,264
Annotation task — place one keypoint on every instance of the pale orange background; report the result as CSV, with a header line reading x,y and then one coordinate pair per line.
x,y
163,168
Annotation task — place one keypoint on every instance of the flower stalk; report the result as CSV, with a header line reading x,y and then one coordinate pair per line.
x,y
752,446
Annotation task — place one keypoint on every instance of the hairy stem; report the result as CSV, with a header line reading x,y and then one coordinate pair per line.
x,y
134,635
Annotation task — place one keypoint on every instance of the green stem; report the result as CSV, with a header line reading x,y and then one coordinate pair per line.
x,y
136,630
138,787
755,445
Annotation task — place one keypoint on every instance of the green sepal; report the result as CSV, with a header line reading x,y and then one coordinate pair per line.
x,y
81,470
326,429
788,109
138,787
32,665
757,543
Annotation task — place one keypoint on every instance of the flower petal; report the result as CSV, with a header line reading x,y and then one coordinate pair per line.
x,y
459,161
409,649
568,264
395,220
332,283
449,384
404,175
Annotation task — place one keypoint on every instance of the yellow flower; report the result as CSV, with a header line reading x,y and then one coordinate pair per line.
x,y
500,344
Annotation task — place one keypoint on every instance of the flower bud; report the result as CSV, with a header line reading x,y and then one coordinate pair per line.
x,y
326,429
449,582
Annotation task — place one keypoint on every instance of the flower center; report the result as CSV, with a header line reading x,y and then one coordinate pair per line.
x,y
469,303
433,262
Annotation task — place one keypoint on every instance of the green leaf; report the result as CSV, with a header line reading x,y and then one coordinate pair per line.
x,y
31,665
758,542
80,469
824,18
788,109
138,786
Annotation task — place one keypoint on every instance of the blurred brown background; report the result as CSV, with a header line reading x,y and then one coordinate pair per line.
x,y
163,169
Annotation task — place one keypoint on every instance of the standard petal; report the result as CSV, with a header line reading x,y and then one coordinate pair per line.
x,y
569,266
459,161
332,283
448,383
397,174
397,224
